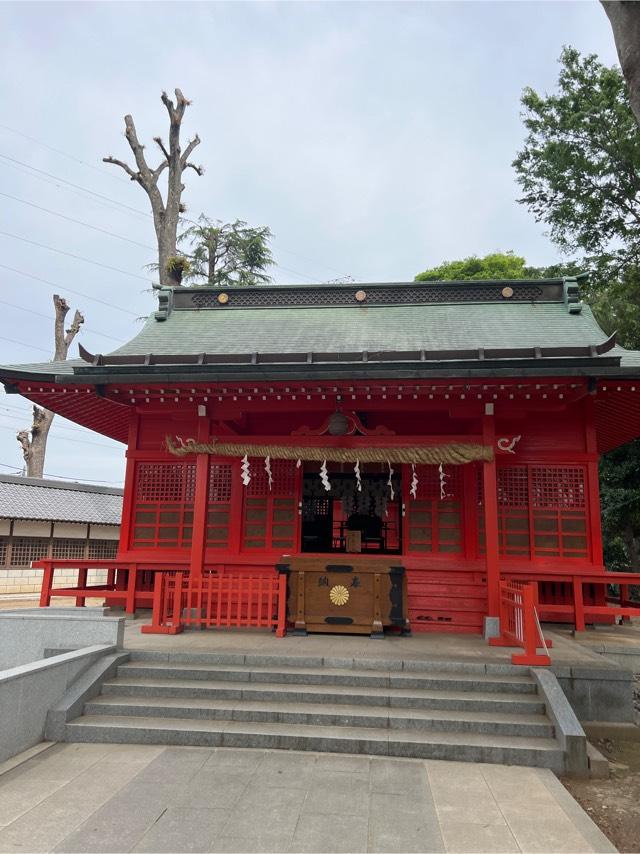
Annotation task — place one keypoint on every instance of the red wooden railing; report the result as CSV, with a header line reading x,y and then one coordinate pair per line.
x,y
232,600
519,624
128,584
579,611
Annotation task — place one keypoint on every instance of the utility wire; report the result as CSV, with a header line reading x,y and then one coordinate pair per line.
x,y
22,344
75,186
81,195
71,255
120,236
66,477
102,171
70,290
136,210
48,317
78,222
64,438
21,416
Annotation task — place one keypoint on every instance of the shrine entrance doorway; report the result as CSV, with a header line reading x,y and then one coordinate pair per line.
x,y
354,515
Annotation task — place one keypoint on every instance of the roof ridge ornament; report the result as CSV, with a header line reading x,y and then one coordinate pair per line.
x,y
571,291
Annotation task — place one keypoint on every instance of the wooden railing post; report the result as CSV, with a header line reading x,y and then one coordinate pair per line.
x,y
283,576
578,605
47,584
82,584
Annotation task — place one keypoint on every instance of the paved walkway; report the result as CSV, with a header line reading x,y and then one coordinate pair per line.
x,y
113,798
420,645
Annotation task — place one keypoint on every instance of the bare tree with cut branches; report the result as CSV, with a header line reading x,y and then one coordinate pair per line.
x,y
34,440
165,212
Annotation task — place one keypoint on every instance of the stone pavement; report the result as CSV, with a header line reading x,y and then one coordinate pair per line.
x,y
113,798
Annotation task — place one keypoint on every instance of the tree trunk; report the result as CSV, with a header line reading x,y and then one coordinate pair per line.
x,y
624,17
632,545
34,441
165,213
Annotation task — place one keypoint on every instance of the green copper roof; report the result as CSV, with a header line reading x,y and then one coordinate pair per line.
x,y
406,319
385,328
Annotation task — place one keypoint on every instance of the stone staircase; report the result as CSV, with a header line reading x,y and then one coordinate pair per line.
x,y
439,710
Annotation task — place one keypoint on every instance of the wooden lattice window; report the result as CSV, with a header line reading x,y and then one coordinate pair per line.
x,y
219,505
542,512
435,523
513,511
270,515
559,511
68,549
3,550
163,514
26,549
102,549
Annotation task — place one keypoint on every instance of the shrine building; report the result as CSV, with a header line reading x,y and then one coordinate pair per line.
x,y
451,429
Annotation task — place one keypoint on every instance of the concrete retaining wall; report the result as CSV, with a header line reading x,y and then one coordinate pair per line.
x,y
28,692
26,633
598,693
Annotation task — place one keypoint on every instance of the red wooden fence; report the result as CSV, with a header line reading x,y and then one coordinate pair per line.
x,y
519,625
232,600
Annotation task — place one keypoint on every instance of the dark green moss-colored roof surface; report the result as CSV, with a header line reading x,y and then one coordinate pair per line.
x,y
383,328
329,320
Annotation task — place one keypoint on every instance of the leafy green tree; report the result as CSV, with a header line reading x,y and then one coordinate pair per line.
x,y
620,497
497,265
226,254
579,170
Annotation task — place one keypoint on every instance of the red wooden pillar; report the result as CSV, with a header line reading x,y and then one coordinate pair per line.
x,y
200,501
490,489
129,498
593,484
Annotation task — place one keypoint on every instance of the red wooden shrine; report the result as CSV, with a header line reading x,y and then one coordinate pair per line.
x,y
514,377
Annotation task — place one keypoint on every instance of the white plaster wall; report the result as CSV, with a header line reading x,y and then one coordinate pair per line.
x,y
105,532
70,530
22,528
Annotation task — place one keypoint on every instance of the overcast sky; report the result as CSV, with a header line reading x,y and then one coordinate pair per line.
x,y
374,139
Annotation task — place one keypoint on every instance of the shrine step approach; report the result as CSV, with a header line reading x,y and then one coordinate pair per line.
x,y
448,710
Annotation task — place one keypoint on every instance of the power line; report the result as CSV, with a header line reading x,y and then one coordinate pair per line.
x,y
48,317
71,255
146,213
66,477
65,427
102,171
64,438
76,186
78,221
55,183
22,344
71,290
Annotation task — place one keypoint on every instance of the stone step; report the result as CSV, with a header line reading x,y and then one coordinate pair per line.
x,y
449,699
321,714
407,665
331,676
467,747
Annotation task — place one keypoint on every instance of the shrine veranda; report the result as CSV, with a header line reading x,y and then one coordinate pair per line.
x,y
455,427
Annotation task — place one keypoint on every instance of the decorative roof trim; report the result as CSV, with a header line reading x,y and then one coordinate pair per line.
x,y
482,354
355,295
